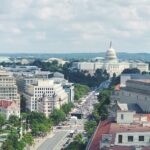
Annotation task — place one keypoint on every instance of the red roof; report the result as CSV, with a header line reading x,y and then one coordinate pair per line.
x,y
148,117
125,148
5,103
103,128
117,87
115,128
106,127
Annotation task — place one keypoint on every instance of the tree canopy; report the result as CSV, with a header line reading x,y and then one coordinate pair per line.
x,y
57,116
80,90
131,71
39,124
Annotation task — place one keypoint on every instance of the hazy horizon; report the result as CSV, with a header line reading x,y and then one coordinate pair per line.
x,y
72,52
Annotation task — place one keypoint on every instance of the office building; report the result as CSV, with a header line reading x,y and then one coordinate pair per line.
x,y
34,92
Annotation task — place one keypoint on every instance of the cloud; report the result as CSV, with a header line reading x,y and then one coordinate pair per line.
x,y
60,11
70,25
30,25
40,36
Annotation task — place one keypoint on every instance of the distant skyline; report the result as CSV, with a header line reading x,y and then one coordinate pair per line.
x,y
74,26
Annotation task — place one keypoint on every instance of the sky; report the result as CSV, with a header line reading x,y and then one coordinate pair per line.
x,y
68,26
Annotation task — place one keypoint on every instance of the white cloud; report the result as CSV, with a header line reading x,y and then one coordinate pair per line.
x,y
75,21
40,36
30,25
15,30
58,10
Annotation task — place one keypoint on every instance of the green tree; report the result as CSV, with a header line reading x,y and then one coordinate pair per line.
x,y
14,120
79,138
23,103
7,145
67,107
104,96
77,144
57,116
80,90
2,120
115,80
39,124
89,127
131,71
28,139
12,142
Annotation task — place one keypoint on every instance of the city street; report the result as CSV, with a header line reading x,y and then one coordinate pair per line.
x,y
61,133
52,142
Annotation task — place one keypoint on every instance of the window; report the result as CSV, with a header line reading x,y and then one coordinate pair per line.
x,y
141,138
122,116
130,138
119,138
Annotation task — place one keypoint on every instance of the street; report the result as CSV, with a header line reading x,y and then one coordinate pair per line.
x,y
52,142
61,133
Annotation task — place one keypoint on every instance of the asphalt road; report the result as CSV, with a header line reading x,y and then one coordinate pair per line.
x,y
60,135
52,142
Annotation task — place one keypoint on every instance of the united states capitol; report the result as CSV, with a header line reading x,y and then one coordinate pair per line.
x,y
110,63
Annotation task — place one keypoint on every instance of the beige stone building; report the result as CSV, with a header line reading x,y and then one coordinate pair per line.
x,y
34,93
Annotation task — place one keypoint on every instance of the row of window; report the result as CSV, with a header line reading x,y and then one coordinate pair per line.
x,y
123,94
130,138
44,89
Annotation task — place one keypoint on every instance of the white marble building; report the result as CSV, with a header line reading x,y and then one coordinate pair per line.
x,y
136,91
111,64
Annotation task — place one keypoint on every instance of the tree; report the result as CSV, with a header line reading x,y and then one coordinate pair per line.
x,y
14,120
7,145
144,72
12,142
23,103
80,90
104,96
39,124
131,71
114,80
79,138
48,66
77,144
57,116
67,107
2,120
89,127
28,139
83,77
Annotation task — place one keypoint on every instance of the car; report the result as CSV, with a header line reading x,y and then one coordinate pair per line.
x,y
59,127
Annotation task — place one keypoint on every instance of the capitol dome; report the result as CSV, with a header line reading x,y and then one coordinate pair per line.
x,y
111,55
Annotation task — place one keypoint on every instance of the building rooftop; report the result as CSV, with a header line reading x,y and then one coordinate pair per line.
x,y
131,89
103,128
115,128
140,81
129,107
125,148
108,129
5,103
